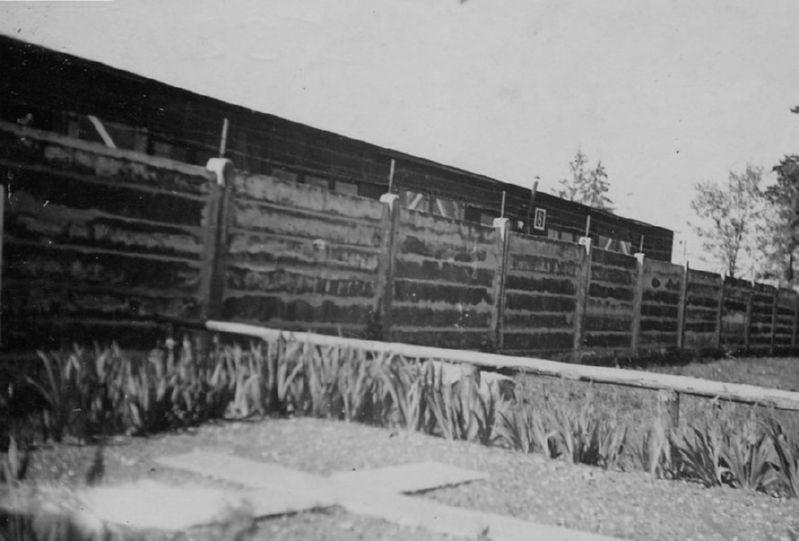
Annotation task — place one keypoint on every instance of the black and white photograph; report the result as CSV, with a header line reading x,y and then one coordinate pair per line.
x,y
399,269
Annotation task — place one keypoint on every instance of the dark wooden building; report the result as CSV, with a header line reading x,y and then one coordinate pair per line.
x,y
69,95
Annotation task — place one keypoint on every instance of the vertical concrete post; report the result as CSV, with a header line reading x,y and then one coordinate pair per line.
x,y
211,279
498,285
638,298
774,307
682,308
385,287
583,283
719,314
748,321
795,323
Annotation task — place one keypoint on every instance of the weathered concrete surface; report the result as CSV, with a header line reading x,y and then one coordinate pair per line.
x,y
701,310
734,316
444,272
662,284
540,295
609,307
784,340
301,257
760,323
101,243
34,149
97,241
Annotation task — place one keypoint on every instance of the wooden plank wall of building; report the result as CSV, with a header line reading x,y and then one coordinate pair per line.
x,y
98,242
703,294
444,282
541,285
297,256
105,244
660,304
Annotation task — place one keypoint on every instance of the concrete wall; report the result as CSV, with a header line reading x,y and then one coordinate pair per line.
x,y
735,314
102,244
98,242
300,257
609,309
541,285
760,322
444,282
785,321
660,305
703,296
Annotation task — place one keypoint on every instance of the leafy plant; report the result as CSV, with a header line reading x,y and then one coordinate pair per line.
x,y
749,456
359,389
484,413
452,418
787,454
58,387
728,215
15,463
322,366
149,400
285,385
587,186
246,369
699,451
653,451
88,392
582,437
221,393
523,429
461,411
406,386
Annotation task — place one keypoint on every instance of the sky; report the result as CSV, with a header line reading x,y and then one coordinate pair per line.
x,y
665,93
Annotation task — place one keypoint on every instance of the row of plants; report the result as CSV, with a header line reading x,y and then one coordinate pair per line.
x,y
713,450
85,394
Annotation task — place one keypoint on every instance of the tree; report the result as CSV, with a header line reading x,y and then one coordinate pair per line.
x,y
780,236
729,216
587,186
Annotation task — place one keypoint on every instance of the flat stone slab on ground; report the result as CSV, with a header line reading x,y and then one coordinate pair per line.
x,y
374,493
457,521
304,487
139,506
151,505
406,478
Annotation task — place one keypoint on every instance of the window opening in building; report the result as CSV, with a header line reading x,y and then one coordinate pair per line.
x,y
433,204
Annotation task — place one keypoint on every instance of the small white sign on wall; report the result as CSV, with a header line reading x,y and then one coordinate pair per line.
x,y
540,221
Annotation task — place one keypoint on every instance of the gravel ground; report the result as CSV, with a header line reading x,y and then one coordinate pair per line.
x,y
628,505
